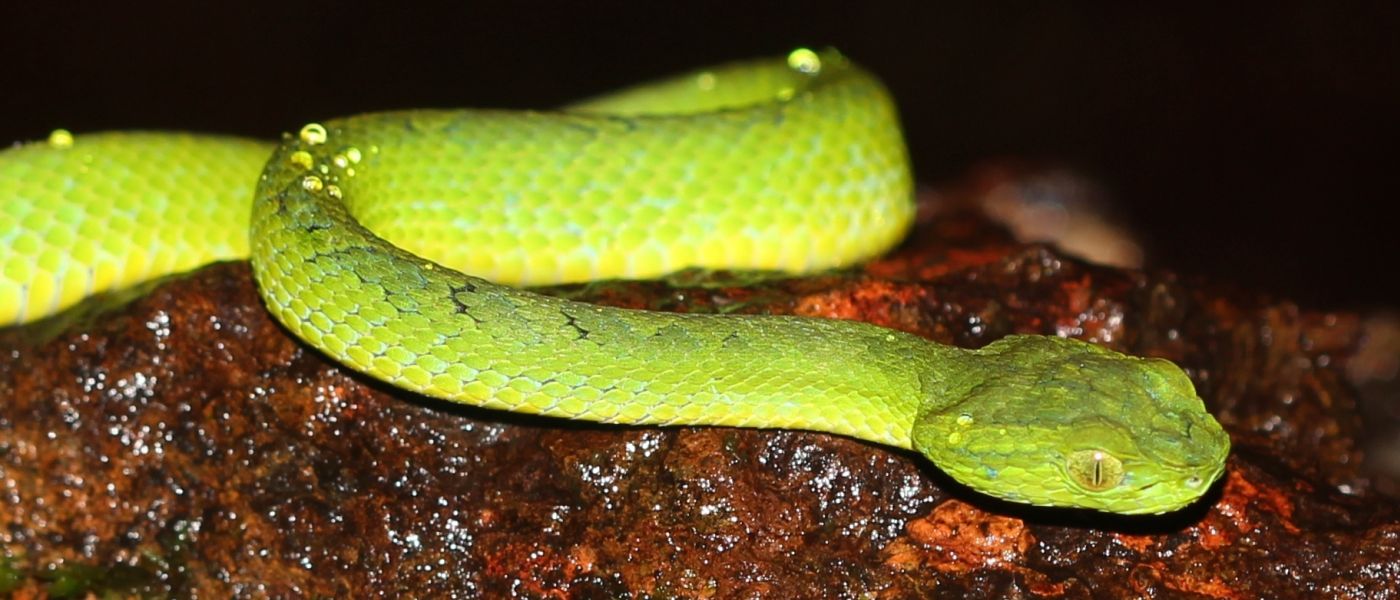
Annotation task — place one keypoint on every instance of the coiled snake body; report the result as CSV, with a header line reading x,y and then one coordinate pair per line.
x,y
790,164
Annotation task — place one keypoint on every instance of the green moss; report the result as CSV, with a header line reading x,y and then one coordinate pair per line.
x,y
120,581
158,573
11,574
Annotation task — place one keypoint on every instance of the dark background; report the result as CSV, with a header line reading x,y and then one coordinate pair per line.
x,y
1253,144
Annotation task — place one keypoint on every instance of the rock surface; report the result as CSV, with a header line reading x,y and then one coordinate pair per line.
x,y
183,445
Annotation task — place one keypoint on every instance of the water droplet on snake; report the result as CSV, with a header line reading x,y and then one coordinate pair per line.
x,y
313,134
705,81
301,159
804,60
61,138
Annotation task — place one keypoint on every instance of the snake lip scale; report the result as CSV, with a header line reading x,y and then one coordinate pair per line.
x,y
362,230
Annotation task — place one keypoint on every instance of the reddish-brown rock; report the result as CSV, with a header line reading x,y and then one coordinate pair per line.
x,y
184,445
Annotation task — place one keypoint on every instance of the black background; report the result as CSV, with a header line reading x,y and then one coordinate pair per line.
x,y
1253,144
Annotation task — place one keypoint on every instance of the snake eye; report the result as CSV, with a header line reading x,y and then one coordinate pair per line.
x,y
1095,470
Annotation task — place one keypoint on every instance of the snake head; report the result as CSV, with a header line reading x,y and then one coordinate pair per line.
x,y
1059,422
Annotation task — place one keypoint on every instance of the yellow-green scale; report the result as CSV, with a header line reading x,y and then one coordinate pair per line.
x,y
107,211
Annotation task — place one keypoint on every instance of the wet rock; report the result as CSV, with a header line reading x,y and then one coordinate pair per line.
x,y
183,444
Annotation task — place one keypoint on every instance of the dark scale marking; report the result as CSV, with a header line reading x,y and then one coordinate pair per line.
x,y
628,123
347,256
580,125
460,307
572,321
282,208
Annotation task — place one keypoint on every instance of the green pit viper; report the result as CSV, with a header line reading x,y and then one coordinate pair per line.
x,y
792,164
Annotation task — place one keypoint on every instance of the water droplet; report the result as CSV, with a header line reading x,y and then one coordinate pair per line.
x,y
333,191
705,81
61,138
954,438
353,154
301,159
340,161
311,183
964,419
804,60
313,134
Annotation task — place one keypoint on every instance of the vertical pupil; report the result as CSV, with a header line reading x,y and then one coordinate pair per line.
x,y
1095,469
